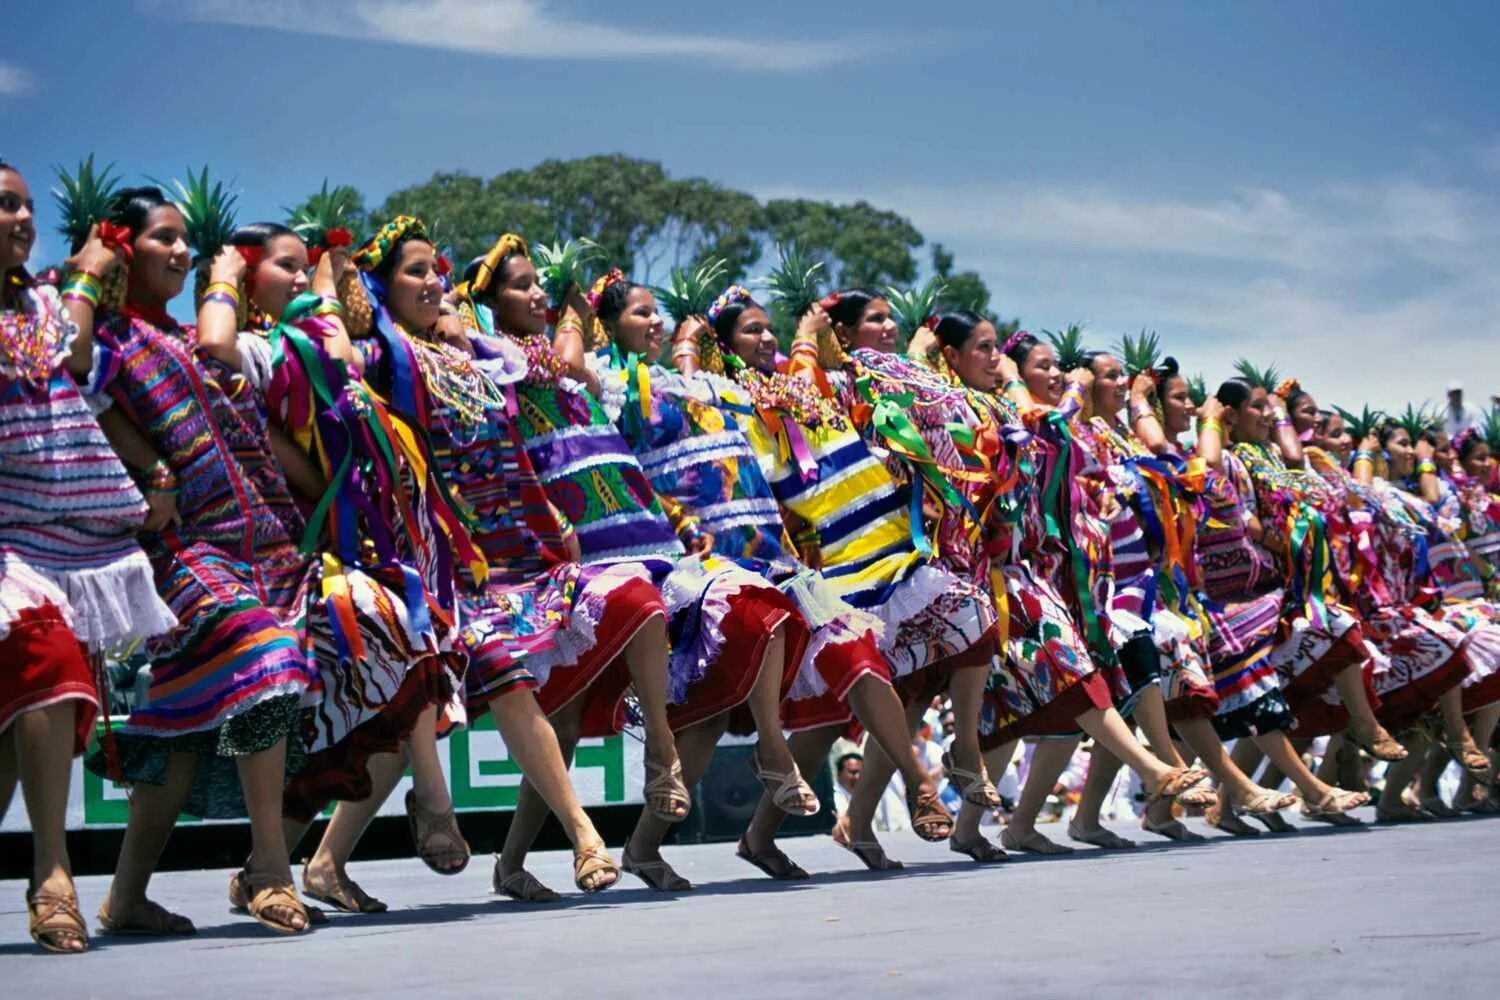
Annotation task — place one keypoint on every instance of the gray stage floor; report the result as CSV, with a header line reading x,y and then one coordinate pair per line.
x,y
1378,911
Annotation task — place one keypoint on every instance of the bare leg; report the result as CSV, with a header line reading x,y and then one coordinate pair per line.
x,y
1205,742
262,776
967,691
1047,763
153,814
890,725
1247,756
1482,726
696,745
1351,687
809,749
966,824
765,707
531,809
1150,713
879,766
1398,776
1108,729
9,769
350,819
532,742
44,755
1278,750
646,659
427,777
1103,766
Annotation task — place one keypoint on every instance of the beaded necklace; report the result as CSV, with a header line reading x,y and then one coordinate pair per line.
x,y
27,342
799,398
453,380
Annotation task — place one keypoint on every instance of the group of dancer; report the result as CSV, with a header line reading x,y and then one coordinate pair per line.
x,y
359,503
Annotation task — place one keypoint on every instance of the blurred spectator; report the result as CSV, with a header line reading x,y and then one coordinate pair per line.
x,y
1457,416
891,815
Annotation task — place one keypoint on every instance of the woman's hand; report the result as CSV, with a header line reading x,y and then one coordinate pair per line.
x,y
1211,409
1109,505
449,329
161,510
923,343
703,545
1008,370
814,322
1424,450
1081,376
1143,385
228,266
688,331
94,257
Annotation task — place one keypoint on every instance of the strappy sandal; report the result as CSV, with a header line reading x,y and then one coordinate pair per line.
x,y
1336,803
1434,806
342,893
1470,758
522,886
929,818
1486,806
869,852
239,901
667,797
267,896
974,788
436,836
1221,817
1199,797
1381,745
773,861
1105,839
1267,803
1172,829
54,921
148,919
979,849
1032,843
789,792
593,869
1402,814
659,875
1177,781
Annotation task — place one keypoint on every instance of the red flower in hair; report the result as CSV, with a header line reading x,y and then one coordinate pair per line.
x,y
116,237
931,322
444,266
338,237
314,254
830,300
252,256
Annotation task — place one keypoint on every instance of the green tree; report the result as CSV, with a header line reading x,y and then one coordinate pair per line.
x,y
860,245
961,290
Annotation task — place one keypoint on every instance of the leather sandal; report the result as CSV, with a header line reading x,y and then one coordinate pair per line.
x,y
788,791
239,901
269,899
773,861
593,869
522,886
667,797
1336,803
1380,744
342,893
147,919
55,923
979,849
1172,829
1199,797
1105,839
869,852
658,875
973,787
1032,843
1221,817
1177,781
1267,803
436,836
929,818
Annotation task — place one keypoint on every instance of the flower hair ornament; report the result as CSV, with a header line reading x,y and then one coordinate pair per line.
x,y
1286,387
931,322
1463,437
731,296
333,238
1012,341
614,276
372,254
507,244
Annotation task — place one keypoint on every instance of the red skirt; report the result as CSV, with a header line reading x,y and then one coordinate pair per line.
x,y
43,663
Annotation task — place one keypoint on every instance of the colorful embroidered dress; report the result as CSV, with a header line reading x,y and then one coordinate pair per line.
x,y
68,517
384,641
1322,637
686,431
593,477
230,679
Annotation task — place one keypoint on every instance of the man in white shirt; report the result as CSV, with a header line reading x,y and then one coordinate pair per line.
x,y
1457,416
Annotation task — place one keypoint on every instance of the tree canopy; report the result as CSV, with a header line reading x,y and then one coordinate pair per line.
x,y
649,222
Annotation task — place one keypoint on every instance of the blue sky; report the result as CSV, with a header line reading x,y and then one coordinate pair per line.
x,y
1317,184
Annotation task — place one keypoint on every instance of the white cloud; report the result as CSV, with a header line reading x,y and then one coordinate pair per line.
x,y
14,81
1376,292
523,29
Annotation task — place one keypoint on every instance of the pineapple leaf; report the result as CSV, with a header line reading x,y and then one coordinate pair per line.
x,y
910,309
208,209
564,264
1266,378
690,293
328,209
1069,346
795,281
1197,389
1141,352
84,198
1491,429
1416,419
1361,424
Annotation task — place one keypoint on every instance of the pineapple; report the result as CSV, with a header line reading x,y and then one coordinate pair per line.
x,y
690,293
911,309
1069,346
325,211
1416,420
1140,353
794,285
1267,378
208,210
565,265
85,198
1197,389
1361,425
1491,430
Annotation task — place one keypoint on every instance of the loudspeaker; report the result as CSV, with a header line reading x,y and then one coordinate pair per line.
x,y
725,800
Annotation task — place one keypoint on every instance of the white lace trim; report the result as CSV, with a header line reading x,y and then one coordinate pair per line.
x,y
911,597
